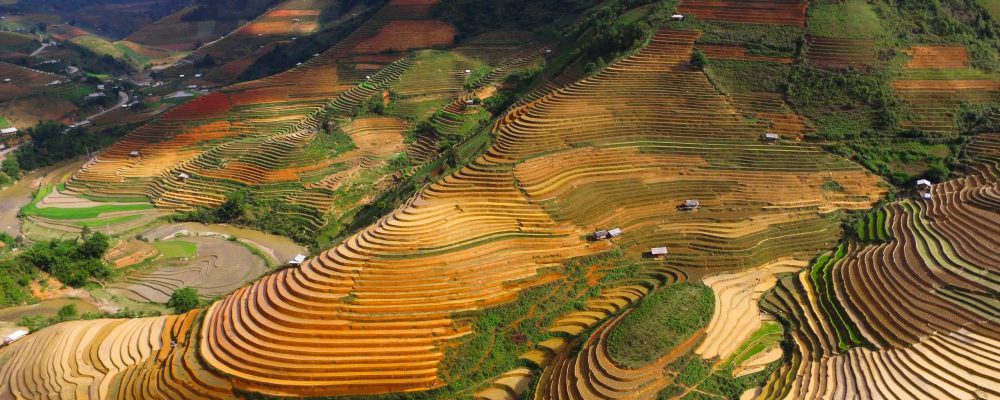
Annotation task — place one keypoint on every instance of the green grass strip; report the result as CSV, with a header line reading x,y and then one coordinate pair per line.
x,y
176,249
32,210
769,334
100,223
822,278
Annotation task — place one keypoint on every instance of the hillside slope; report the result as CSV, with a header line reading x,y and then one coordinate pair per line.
x,y
450,235
804,272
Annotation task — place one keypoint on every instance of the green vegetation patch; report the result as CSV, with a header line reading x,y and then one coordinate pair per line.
x,y
105,222
740,76
965,22
14,276
328,143
904,160
15,42
758,39
32,210
100,77
660,322
851,19
701,379
993,7
73,262
184,299
821,275
815,91
871,227
3,122
769,335
176,249
74,92
245,208
118,51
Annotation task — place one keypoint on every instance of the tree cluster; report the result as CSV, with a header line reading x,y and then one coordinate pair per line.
x,y
51,143
72,262
242,208
184,300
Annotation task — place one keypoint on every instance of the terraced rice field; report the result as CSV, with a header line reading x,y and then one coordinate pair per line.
x,y
23,80
840,52
130,252
146,357
938,57
921,302
24,76
62,212
259,134
216,268
736,315
731,52
754,11
592,374
236,51
17,43
280,249
433,81
405,35
174,33
373,314
772,108
937,82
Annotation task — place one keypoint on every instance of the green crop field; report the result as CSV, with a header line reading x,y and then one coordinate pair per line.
x,y
769,334
738,76
853,19
106,222
992,6
32,209
116,50
176,249
662,320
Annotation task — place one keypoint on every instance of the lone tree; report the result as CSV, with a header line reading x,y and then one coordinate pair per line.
x,y
184,299
698,59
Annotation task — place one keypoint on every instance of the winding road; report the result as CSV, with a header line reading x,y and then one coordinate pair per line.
x,y
122,100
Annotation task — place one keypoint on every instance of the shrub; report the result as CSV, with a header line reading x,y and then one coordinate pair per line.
x,y
831,185
67,312
497,103
698,59
184,300
937,172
